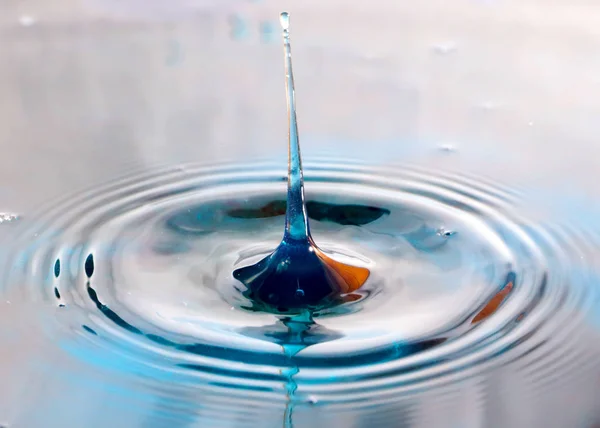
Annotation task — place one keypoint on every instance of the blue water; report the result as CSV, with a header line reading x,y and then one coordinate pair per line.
x,y
297,277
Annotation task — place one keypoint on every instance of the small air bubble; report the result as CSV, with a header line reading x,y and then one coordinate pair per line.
x,y
89,265
312,399
299,293
232,308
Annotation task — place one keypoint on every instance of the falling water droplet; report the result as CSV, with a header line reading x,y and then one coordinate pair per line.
x,y
284,19
89,265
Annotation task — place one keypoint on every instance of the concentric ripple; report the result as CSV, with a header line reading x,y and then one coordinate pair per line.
x,y
135,279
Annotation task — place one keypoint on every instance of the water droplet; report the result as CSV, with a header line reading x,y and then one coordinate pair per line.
x,y
299,293
312,399
8,217
530,123
238,27
27,20
89,265
444,48
57,268
56,293
284,19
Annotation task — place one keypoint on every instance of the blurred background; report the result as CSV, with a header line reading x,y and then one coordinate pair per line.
x,y
93,88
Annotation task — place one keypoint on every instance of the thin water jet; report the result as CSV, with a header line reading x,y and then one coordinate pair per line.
x,y
298,275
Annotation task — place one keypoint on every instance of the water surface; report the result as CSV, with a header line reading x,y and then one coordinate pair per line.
x,y
122,302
